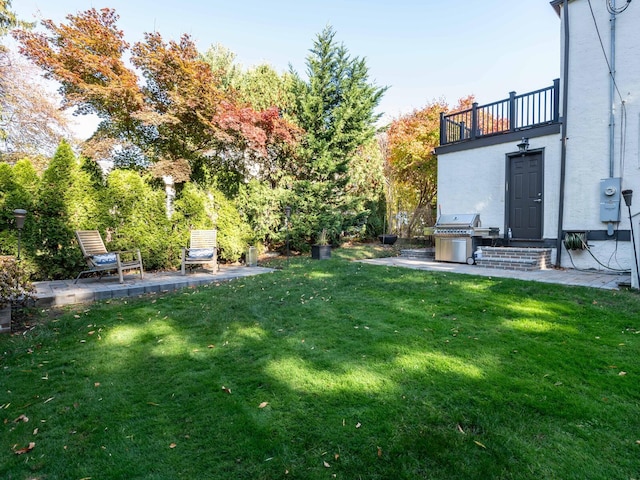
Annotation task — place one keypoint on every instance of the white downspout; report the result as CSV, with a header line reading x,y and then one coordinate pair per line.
x,y
612,101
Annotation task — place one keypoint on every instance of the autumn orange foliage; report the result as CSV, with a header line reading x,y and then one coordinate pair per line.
x,y
181,111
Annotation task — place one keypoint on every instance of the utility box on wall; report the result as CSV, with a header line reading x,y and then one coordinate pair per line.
x,y
610,199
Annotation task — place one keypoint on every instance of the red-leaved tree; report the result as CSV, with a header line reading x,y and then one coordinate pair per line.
x,y
181,110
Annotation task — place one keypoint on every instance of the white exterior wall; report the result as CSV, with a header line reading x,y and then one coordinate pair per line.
x,y
588,119
474,180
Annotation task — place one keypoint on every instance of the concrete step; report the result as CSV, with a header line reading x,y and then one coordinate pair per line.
x,y
417,252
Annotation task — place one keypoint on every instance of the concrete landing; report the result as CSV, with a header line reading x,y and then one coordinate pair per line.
x,y
591,278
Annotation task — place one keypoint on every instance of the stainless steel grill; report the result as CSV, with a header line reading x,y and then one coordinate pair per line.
x,y
454,235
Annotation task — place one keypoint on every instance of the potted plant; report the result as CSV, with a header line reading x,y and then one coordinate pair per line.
x,y
321,250
388,238
14,287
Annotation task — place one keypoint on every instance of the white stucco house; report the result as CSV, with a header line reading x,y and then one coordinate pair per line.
x,y
548,167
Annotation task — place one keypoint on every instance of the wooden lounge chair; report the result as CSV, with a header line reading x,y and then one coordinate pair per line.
x,y
202,249
100,260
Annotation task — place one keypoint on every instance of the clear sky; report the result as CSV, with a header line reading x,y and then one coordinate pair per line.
x,y
421,49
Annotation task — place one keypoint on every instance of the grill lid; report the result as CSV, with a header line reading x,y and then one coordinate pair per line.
x,y
458,220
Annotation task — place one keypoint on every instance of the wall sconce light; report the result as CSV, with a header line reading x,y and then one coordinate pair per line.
x,y
523,146
627,194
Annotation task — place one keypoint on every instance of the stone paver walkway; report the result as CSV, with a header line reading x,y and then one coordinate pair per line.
x,y
87,290
595,279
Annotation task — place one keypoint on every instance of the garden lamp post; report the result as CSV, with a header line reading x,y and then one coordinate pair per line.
x,y
19,215
628,195
287,215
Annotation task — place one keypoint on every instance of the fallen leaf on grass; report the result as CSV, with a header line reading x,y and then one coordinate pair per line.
x,y
21,418
211,346
35,431
26,449
263,404
460,429
358,425
379,452
326,465
226,390
622,374
479,444
172,445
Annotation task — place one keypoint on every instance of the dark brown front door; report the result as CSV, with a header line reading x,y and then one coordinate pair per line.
x,y
525,196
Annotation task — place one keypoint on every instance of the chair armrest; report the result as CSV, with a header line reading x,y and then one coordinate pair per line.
x,y
135,250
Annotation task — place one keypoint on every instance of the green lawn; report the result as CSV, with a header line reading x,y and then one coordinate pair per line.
x,y
331,369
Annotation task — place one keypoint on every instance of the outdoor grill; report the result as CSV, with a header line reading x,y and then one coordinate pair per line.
x,y
458,235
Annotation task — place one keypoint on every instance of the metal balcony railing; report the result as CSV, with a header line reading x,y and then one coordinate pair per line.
x,y
518,112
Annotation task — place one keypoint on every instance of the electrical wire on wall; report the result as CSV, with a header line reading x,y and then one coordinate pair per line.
x,y
616,11
623,110
613,11
577,241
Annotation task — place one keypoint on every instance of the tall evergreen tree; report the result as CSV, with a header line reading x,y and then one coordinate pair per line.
x,y
8,19
51,243
336,108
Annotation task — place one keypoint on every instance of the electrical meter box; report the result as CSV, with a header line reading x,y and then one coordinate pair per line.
x,y
610,199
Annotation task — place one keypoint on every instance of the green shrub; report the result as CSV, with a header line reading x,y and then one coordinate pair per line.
x,y
197,208
263,209
17,187
50,238
233,234
137,219
14,282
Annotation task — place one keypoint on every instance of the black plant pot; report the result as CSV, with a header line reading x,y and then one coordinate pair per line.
x,y
387,239
320,252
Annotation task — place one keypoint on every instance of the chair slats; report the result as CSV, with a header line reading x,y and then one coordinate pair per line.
x,y
201,239
91,244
